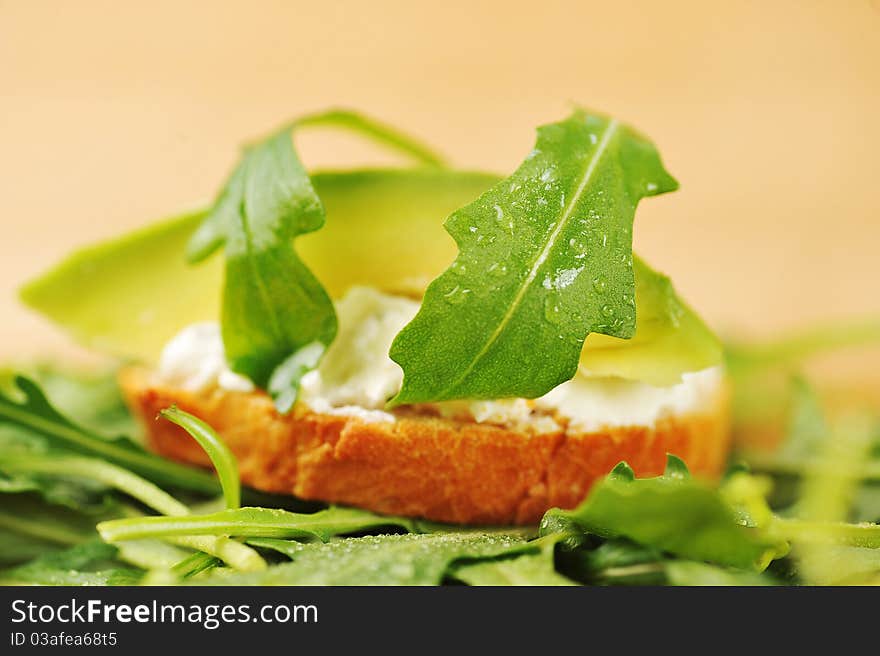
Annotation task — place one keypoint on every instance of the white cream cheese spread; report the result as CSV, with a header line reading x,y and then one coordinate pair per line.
x,y
194,359
356,377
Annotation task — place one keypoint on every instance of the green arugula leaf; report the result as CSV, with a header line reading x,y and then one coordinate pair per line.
x,y
375,560
621,562
522,569
616,553
612,562
89,398
545,257
195,564
34,413
253,522
673,513
91,563
277,319
273,306
211,234
17,548
527,569
30,516
670,338
90,497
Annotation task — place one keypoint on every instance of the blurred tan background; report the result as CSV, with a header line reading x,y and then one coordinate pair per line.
x,y
116,113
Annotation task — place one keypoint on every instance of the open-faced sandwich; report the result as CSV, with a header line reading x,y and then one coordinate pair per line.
x,y
421,341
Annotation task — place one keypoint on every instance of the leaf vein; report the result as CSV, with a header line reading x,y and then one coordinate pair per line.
x,y
602,146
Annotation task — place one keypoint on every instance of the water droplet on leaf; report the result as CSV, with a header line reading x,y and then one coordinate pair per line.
x,y
456,295
553,309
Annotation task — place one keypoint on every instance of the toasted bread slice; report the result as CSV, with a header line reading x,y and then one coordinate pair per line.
x,y
422,464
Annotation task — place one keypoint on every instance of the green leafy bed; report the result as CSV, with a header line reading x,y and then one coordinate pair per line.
x,y
79,507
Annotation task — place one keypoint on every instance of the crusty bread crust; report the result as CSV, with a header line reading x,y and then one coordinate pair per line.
x,y
423,465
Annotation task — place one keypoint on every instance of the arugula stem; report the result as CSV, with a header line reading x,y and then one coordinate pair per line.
x,y
250,523
128,529
235,554
221,457
151,554
194,564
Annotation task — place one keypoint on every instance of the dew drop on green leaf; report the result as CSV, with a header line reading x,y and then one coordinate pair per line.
x,y
498,270
552,309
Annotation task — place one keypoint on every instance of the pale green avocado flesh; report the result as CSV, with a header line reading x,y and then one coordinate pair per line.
x,y
130,295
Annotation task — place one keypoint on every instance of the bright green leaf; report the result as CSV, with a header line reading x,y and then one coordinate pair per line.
x,y
89,398
677,515
375,560
273,306
526,569
91,563
670,338
545,257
